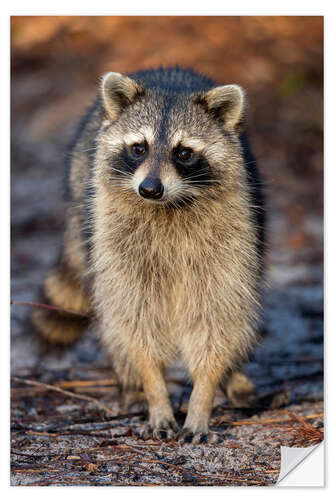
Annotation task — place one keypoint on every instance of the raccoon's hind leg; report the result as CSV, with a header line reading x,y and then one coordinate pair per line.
x,y
130,383
239,389
63,290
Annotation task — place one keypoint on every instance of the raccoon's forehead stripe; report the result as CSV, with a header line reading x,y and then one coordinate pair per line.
x,y
195,143
117,140
144,134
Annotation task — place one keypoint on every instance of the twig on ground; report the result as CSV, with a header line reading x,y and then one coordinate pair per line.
x,y
65,393
47,306
270,421
86,383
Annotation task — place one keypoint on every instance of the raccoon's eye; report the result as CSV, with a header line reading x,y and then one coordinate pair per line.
x,y
184,154
139,149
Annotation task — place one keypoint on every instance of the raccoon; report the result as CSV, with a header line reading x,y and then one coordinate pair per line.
x,y
164,240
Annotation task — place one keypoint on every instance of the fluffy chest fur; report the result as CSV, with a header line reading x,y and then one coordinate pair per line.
x,y
167,274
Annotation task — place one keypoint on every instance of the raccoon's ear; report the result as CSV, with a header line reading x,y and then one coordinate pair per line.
x,y
118,92
227,102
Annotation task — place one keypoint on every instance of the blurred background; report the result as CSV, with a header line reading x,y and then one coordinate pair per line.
x,y
56,65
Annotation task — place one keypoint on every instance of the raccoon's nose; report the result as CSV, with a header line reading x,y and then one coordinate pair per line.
x,y
151,188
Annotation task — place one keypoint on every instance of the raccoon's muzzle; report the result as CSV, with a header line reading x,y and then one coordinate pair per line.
x,y
151,188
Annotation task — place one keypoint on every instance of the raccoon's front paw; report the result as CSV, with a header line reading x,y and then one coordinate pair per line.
x,y
186,435
166,429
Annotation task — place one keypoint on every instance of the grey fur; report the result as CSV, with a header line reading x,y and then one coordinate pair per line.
x,y
177,276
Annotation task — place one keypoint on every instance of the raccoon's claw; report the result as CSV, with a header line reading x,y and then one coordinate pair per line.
x,y
187,436
147,432
167,430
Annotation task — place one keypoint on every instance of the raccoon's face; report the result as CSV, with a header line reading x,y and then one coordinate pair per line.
x,y
169,149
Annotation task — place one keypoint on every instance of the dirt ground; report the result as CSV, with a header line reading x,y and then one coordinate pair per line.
x,y
66,423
